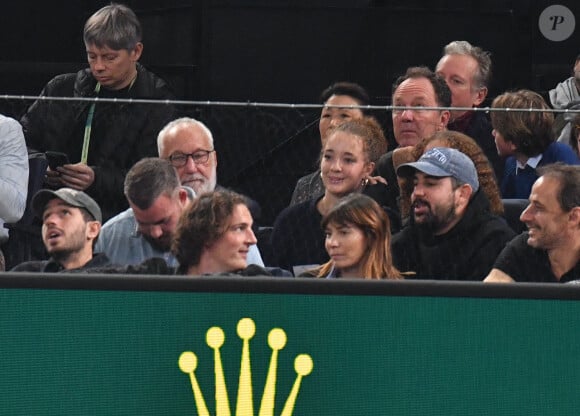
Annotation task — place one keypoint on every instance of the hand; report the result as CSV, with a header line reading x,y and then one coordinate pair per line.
x,y
52,179
77,176
373,180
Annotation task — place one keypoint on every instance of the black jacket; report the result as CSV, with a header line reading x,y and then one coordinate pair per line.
x,y
158,266
479,129
466,252
121,134
51,266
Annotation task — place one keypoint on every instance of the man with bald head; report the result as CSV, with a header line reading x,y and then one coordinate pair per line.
x,y
188,161
188,145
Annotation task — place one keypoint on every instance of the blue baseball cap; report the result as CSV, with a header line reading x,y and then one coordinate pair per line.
x,y
443,162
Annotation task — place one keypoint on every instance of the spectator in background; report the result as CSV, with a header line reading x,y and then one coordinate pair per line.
x,y
550,250
572,135
566,95
71,222
525,138
13,177
102,140
358,241
145,230
467,69
418,87
348,158
336,99
157,196
188,144
452,235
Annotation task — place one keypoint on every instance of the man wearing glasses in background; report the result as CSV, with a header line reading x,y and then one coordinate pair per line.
x,y
145,230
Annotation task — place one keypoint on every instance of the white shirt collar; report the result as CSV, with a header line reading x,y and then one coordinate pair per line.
x,y
531,162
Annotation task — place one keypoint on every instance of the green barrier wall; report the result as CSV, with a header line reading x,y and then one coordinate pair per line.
x,y
411,349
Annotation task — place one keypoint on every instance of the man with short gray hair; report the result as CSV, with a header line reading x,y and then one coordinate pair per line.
x,y
467,70
452,234
158,190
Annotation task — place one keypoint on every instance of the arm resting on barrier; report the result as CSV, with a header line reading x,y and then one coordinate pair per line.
x,y
497,276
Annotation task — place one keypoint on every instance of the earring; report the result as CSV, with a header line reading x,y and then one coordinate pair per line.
x,y
365,182
321,175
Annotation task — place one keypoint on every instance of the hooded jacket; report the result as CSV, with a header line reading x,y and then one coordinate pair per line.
x,y
466,252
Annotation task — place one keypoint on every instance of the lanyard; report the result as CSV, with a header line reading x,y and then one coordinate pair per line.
x,y
87,137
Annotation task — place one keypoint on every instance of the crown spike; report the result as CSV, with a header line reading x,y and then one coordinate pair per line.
x,y
188,364
215,339
276,341
303,366
244,404
246,329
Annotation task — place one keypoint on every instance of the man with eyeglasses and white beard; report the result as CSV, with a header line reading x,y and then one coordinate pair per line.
x,y
145,230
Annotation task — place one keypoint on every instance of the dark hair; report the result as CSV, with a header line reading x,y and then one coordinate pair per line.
x,y
363,212
530,132
351,89
370,132
468,146
442,91
148,179
569,178
201,224
115,26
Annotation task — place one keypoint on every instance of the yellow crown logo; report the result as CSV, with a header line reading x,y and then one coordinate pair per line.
x,y
244,405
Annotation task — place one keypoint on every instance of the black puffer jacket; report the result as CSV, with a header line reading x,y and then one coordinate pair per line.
x,y
121,134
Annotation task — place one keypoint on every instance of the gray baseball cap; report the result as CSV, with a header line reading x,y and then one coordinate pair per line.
x,y
443,162
72,197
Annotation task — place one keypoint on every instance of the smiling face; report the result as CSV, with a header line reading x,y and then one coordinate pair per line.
x,y
334,116
343,166
346,245
230,252
459,72
547,222
412,125
113,69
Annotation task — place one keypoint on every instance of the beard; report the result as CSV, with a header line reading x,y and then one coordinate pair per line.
x,y
162,244
434,220
75,242
61,255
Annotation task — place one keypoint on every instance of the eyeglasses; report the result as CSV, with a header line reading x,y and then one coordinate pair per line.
x,y
200,157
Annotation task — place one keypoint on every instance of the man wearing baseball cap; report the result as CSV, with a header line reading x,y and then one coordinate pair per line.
x,y
452,235
71,222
